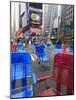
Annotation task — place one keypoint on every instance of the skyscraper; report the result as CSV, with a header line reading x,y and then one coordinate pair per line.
x,y
69,18
49,13
14,18
53,15
67,22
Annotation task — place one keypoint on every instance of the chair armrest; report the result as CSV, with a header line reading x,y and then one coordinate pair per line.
x,y
43,78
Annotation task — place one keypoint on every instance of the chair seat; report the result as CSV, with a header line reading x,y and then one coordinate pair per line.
x,y
48,92
43,78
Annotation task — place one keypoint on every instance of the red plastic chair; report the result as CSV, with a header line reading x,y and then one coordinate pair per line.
x,y
14,47
58,61
63,75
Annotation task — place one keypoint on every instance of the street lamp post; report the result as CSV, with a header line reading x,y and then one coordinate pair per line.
x,y
58,25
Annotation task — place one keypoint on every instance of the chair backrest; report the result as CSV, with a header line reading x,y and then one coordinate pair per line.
x,y
68,60
21,67
21,62
63,72
68,77
20,57
58,63
58,58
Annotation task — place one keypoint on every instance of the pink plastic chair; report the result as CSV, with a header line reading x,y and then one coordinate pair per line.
x,y
62,74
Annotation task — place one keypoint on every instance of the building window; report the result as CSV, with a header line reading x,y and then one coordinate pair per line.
x,y
71,17
71,11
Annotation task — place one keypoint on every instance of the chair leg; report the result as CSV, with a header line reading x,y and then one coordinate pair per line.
x,y
47,87
69,91
38,62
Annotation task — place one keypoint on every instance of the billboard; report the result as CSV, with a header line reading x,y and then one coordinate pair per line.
x,y
35,17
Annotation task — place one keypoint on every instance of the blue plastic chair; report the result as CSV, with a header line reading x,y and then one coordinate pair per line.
x,y
42,56
71,47
21,69
36,45
58,48
20,47
48,46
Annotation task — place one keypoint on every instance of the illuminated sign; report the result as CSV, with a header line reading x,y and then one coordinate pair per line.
x,y
36,17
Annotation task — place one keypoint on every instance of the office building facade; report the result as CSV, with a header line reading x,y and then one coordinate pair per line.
x,y
67,22
50,12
